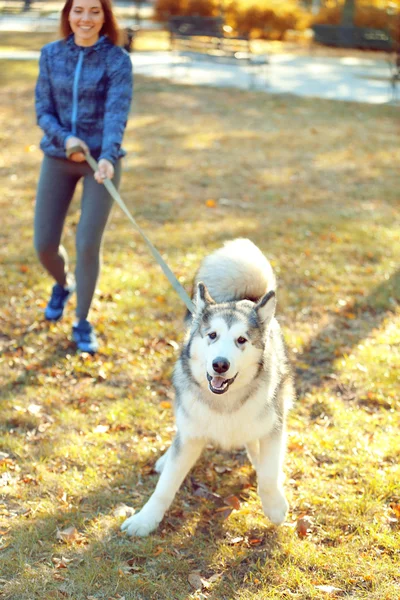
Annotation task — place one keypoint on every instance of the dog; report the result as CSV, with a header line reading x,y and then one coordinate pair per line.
x,y
233,381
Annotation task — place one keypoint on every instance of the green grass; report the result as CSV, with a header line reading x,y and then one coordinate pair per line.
x,y
315,185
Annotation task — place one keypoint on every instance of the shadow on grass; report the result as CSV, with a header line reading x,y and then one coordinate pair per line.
x,y
181,554
136,564
352,325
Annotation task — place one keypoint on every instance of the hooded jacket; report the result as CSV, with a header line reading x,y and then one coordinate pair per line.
x,y
85,92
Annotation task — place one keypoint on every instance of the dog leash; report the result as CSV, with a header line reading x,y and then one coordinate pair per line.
x,y
115,195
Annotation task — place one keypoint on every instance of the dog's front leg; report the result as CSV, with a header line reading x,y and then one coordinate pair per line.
x,y
253,452
270,476
179,459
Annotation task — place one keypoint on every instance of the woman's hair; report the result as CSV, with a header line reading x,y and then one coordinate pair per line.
x,y
110,27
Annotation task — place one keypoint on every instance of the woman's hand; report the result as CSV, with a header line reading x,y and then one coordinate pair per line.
x,y
76,156
105,170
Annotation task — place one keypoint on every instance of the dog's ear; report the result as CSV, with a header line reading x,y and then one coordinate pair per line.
x,y
203,298
266,307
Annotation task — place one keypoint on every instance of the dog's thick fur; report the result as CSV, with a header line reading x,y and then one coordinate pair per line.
x,y
232,381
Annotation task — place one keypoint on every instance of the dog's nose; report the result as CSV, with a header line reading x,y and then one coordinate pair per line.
x,y
220,365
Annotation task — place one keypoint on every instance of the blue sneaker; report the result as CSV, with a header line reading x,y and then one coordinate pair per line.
x,y
59,297
85,337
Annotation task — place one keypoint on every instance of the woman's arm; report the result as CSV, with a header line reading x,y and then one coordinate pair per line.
x,y
117,105
46,114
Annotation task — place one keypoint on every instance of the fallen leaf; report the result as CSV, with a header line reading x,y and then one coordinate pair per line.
x,y
101,375
303,526
255,541
61,563
202,490
329,589
235,540
232,501
132,563
224,511
396,509
101,429
174,344
195,580
221,469
122,510
68,535
210,203
165,404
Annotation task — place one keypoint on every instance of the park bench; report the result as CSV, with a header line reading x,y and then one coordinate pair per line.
x,y
364,38
207,38
350,36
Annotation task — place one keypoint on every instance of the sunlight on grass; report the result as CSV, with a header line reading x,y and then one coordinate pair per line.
x,y
315,185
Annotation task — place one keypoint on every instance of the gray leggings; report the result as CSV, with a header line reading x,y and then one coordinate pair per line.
x,y
57,183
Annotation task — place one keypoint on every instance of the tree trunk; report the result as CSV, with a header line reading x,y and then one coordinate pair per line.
x,y
348,13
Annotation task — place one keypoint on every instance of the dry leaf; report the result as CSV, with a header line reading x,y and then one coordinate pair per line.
x,y
210,203
329,589
165,404
224,511
195,580
61,563
255,541
303,526
174,344
34,409
396,509
235,540
221,469
101,375
68,535
101,429
202,490
122,510
232,501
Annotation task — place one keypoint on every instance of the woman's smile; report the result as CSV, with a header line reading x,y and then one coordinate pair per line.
x,y
86,20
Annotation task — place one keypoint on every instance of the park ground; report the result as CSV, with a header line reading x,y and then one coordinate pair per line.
x,y
315,184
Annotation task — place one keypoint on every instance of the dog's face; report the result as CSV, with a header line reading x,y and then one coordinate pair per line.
x,y
227,348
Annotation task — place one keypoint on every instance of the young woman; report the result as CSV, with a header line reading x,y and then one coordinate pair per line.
x,y
83,96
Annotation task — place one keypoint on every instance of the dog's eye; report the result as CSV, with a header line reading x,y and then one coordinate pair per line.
x,y
241,340
212,335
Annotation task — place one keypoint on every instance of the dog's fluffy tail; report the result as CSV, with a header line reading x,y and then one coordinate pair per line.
x,y
237,271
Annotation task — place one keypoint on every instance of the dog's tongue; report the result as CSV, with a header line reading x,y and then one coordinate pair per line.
x,y
217,382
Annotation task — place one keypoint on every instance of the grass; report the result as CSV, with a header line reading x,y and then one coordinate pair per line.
x,y
315,184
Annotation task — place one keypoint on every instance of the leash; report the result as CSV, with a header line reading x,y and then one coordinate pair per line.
x,y
115,195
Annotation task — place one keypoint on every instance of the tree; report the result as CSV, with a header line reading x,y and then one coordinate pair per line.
x,y
348,13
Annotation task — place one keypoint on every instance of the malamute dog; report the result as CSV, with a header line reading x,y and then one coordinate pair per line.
x,y
233,382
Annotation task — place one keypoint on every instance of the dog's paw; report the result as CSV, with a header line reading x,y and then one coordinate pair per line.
x,y
139,524
275,506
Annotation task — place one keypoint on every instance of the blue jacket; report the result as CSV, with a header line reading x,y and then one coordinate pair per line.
x,y
85,92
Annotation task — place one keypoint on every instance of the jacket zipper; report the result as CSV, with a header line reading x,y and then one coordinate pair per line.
x,y
75,92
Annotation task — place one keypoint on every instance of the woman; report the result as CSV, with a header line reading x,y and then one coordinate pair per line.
x,y
83,96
